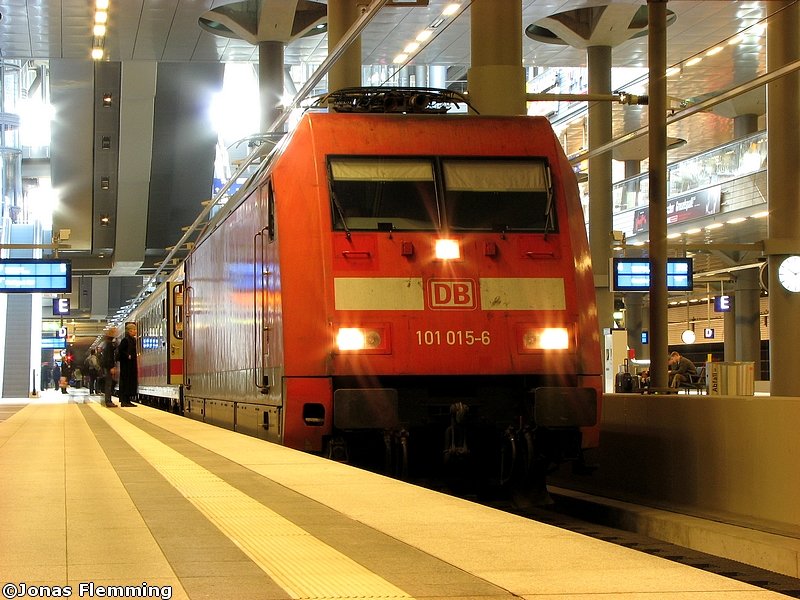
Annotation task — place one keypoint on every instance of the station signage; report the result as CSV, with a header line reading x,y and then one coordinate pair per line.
x,y
633,275
723,303
54,343
60,306
699,204
31,275
702,203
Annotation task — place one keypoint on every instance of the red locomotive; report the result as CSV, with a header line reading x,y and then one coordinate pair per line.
x,y
419,283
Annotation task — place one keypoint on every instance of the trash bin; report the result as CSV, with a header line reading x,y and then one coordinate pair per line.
x,y
731,378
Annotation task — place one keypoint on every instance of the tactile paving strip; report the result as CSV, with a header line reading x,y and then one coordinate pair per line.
x,y
301,564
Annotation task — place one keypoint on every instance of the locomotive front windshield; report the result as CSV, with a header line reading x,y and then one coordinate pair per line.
x,y
381,193
464,194
498,195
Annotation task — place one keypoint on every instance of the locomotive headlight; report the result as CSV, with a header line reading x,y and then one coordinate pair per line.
x,y
548,338
447,250
357,338
351,338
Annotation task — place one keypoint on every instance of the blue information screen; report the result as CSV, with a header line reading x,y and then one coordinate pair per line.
x,y
633,274
54,343
31,275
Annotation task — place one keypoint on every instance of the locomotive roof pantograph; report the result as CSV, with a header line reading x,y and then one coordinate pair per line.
x,y
392,100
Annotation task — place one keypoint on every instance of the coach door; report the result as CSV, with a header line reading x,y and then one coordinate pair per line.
x,y
175,333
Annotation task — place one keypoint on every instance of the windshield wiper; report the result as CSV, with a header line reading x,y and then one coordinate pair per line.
x,y
549,222
340,212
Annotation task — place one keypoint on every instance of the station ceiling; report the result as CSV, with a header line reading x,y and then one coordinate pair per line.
x,y
173,172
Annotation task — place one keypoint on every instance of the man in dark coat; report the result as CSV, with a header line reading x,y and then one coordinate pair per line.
x,y
107,361
47,374
56,374
128,374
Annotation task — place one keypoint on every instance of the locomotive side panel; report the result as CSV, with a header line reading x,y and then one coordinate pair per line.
x,y
238,331
299,337
299,198
221,361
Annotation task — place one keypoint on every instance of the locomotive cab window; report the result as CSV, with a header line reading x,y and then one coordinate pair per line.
x,y
498,195
380,193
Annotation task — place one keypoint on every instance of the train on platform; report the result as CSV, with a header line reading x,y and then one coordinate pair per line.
x,y
395,286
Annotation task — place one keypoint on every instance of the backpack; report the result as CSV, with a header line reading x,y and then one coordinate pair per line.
x,y
94,364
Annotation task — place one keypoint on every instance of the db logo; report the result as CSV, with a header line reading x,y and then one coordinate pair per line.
x,y
452,294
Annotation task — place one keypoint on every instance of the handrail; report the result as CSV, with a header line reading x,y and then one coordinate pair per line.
x,y
258,324
692,110
188,320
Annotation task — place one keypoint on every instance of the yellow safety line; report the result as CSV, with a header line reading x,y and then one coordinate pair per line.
x,y
301,564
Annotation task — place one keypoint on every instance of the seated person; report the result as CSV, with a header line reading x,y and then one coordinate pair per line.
x,y
680,368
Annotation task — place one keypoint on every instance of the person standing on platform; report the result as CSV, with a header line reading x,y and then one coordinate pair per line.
x,y
66,372
93,369
128,374
47,374
56,374
107,362
680,368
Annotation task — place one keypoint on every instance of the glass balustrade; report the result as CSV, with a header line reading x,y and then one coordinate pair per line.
x,y
728,178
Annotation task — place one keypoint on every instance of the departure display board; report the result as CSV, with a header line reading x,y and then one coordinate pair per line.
x,y
54,343
633,275
32,275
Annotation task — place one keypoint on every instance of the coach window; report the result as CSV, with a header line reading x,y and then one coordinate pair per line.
x,y
383,194
498,195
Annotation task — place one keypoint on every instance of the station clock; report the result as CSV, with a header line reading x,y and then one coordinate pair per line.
x,y
789,273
